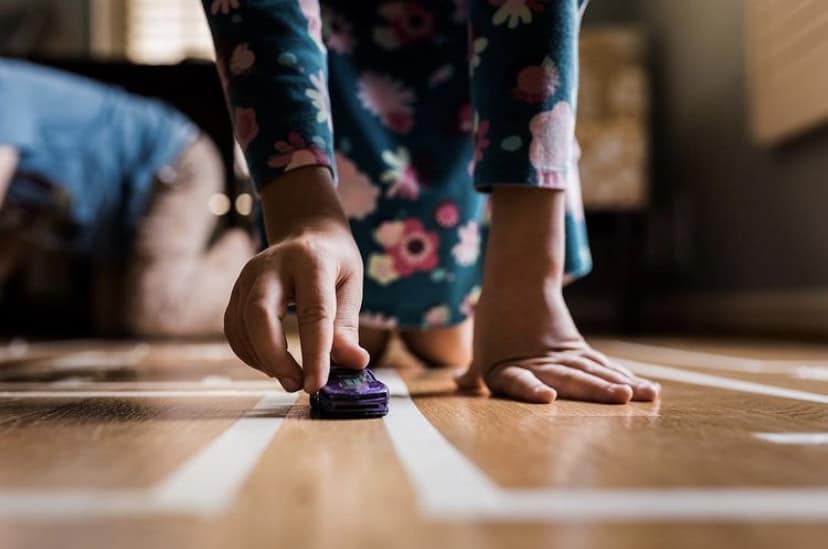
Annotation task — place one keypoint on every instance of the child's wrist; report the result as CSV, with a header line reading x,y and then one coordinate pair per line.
x,y
526,239
301,200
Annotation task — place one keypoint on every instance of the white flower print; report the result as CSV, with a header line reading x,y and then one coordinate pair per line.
x,y
356,192
377,320
320,99
389,233
437,316
467,250
478,47
512,12
470,301
381,269
400,175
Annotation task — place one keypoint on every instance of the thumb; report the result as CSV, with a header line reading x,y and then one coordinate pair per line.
x,y
346,350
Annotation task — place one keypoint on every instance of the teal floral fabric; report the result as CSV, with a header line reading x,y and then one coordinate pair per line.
x,y
419,108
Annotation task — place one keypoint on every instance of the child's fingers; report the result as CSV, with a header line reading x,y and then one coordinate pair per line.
x,y
572,383
263,327
315,292
644,390
346,350
232,326
519,383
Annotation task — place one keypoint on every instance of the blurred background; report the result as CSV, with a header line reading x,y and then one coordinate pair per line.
x,y
704,137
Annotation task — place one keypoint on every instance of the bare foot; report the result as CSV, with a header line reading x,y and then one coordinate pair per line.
x,y
441,347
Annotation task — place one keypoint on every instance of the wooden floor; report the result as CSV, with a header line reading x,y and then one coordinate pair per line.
x,y
178,445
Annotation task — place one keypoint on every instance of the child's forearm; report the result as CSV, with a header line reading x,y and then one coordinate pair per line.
x,y
526,240
299,200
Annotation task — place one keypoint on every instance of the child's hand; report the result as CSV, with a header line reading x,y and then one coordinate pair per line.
x,y
313,262
526,345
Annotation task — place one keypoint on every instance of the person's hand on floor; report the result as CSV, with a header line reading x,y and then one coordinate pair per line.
x,y
526,346
312,262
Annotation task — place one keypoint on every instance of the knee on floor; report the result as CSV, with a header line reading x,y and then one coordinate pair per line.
x,y
444,347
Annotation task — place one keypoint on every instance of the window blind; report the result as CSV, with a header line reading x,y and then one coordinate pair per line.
x,y
166,31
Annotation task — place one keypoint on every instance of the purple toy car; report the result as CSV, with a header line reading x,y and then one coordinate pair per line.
x,y
351,394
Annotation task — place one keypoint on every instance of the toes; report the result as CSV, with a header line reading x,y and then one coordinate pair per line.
x,y
520,384
572,383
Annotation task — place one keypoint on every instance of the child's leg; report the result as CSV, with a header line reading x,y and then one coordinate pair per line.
x,y
450,346
176,285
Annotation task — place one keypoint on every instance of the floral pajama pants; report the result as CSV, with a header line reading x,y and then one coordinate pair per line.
x,y
419,107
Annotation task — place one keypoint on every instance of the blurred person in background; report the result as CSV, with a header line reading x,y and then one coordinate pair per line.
x,y
123,181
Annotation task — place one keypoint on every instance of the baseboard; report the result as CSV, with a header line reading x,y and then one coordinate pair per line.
x,y
792,313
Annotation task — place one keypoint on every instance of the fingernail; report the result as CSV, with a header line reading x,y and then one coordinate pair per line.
x,y
290,384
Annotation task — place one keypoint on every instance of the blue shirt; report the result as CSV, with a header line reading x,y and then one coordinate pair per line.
x,y
87,151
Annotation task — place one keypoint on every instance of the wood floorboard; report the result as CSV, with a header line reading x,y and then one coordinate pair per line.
x,y
325,484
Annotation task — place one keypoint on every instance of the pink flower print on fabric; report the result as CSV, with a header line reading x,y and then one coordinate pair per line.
x,y
310,9
406,22
553,133
296,152
447,214
388,99
247,128
242,59
223,6
416,250
338,32
467,250
356,192
409,247
537,83
400,175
